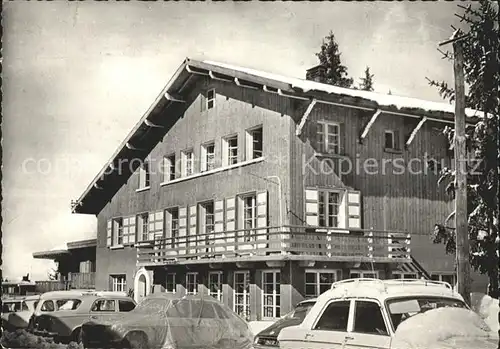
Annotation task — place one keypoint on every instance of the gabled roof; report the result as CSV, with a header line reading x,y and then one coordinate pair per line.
x,y
153,125
65,249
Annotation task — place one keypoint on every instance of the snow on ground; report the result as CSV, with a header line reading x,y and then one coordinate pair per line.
x,y
445,328
487,308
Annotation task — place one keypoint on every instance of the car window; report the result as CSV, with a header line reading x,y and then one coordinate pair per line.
x,y
125,306
368,318
300,312
11,307
335,317
68,304
24,307
220,312
179,309
201,309
47,306
103,305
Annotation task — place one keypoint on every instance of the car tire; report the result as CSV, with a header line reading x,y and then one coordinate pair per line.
x,y
76,336
137,340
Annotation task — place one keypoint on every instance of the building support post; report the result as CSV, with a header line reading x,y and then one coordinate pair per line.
x,y
462,233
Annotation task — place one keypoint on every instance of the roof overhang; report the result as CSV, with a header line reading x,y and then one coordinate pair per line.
x,y
153,125
71,246
51,254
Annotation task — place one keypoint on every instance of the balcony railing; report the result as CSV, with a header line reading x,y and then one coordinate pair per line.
x,y
75,281
333,244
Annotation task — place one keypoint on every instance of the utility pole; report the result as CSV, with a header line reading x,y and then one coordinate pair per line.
x,y
461,226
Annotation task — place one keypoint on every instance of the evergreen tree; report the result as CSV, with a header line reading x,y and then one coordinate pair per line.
x,y
481,65
367,81
329,57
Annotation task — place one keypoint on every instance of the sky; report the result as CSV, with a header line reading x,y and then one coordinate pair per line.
x,y
78,76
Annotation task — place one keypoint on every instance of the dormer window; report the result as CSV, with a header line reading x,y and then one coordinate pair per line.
x,y
210,98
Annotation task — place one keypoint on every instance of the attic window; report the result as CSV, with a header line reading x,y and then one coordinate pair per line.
x,y
144,176
210,98
391,140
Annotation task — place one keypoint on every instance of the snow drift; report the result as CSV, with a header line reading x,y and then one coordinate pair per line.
x,y
445,328
487,308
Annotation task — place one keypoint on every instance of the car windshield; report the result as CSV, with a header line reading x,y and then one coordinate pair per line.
x,y
401,309
300,311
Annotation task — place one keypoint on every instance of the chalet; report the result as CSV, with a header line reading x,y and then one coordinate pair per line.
x,y
261,190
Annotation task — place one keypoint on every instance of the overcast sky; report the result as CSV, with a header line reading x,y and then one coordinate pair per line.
x,y
79,75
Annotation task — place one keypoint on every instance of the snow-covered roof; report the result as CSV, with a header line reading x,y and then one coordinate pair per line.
x,y
381,99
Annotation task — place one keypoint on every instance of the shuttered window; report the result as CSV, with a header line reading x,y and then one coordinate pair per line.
x,y
333,208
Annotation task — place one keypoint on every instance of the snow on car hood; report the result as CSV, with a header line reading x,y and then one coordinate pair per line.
x,y
445,328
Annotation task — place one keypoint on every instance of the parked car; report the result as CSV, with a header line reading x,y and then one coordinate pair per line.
x,y
268,338
60,314
167,321
17,311
358,313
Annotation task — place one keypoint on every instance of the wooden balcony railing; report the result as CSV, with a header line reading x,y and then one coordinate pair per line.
x,y
82,280
287,240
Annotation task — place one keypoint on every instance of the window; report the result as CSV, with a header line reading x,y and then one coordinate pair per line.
x,y
47,306
401,275
368,318
210,98
144,175
335,317
230,151
329,203
118,231
119,283
125,306
68,304
449,278
172,216
104,305
207,157
191,283
249,215
209,219
142,226
169,168
188,158
389,140
318,282
241,303
328,137
215,284
271,294
363,274
254,143
170,285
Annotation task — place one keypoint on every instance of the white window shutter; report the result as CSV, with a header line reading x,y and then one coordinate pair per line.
x,y
225,153
311,207
151,226
109,233
230,217
248,146
125,230
159,226
168,225
262,218
115,233
182,228
132,230
343,211
203,159
219,223
353,209
192,227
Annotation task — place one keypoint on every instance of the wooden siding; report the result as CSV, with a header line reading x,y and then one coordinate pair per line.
x,y
390,201
236,110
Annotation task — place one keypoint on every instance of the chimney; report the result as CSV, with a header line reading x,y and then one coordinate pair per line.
x,y
316,73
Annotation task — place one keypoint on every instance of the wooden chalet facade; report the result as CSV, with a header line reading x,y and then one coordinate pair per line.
x,y
234,184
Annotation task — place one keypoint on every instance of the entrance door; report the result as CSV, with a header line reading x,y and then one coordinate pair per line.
x,y
142,288
241,301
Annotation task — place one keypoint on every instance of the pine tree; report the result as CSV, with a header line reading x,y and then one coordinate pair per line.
x,y
366,83
329,57
481,63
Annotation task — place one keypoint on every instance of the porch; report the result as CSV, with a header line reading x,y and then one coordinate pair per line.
x,y
277,243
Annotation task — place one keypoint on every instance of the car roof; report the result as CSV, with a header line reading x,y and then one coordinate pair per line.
x,y
384,289
81,293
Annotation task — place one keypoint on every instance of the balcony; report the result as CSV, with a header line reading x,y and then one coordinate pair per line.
x,y
278,243
74,281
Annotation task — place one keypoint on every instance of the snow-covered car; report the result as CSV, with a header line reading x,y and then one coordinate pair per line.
x,y
357,313
60,314
268,337
16,312
167,321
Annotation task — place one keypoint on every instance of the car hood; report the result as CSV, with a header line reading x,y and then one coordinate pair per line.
x,y
275,329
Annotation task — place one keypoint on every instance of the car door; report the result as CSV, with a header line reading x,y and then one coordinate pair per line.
x,y
369,327
330,328
103,309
